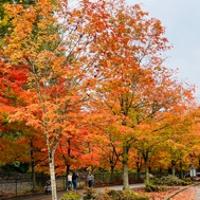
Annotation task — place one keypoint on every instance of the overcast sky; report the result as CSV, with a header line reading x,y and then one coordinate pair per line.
x,y
181,19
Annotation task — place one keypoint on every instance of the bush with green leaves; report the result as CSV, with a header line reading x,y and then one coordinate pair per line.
x,y
71,196
170,181
152,187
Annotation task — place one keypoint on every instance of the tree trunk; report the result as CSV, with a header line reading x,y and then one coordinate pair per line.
x,y
199,164
138,174
111,173
125,176
125,167
181,170
147,173
173,163
51,150
68,163
138,169
160,171
67,173
52,175
33,175
146,165
173,171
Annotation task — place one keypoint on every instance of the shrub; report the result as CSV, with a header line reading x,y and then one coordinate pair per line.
x,y
188,180
151,187
170,181
125,195
104,196
130,195
71,196
115,194
90,194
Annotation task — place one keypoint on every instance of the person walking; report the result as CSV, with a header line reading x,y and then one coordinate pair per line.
x,y
90,180
75,180
69,181
47,187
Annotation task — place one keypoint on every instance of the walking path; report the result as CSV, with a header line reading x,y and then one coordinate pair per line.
x,y
99,190
197,192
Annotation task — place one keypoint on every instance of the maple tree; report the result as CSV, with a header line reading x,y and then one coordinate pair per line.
x,y
53,82
11,83
184,142
132,86
19,142
110,151
156,136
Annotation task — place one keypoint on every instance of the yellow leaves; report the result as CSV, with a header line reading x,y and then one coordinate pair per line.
x,y
22,18
44,59
28,37
45,22
4,21
51,64
22,26
58,63
13,9
45,7
13,50
29,14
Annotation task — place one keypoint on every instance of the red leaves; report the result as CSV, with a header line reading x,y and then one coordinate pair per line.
x,y
190,194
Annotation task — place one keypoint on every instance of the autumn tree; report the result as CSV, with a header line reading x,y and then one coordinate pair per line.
x,y
180,144
111,150
125,87
11,96
17,137
133,86
37,41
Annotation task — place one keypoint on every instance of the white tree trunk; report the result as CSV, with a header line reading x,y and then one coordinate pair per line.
x,y
125,176
147,174
125,167
53,178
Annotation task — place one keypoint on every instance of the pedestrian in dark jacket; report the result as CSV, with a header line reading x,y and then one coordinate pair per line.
x,y
75,180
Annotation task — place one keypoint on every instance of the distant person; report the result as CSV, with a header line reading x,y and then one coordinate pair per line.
x,y
75,180
47,187
69,183
90,180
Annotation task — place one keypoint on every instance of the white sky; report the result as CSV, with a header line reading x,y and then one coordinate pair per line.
x,y
181,19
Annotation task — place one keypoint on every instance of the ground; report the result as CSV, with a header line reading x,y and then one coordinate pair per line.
x,y
193,193
100,189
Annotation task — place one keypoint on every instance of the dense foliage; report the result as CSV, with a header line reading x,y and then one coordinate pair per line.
x,y
87,87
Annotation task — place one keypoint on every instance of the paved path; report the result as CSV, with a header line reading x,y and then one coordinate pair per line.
x,y
197,192
99,190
